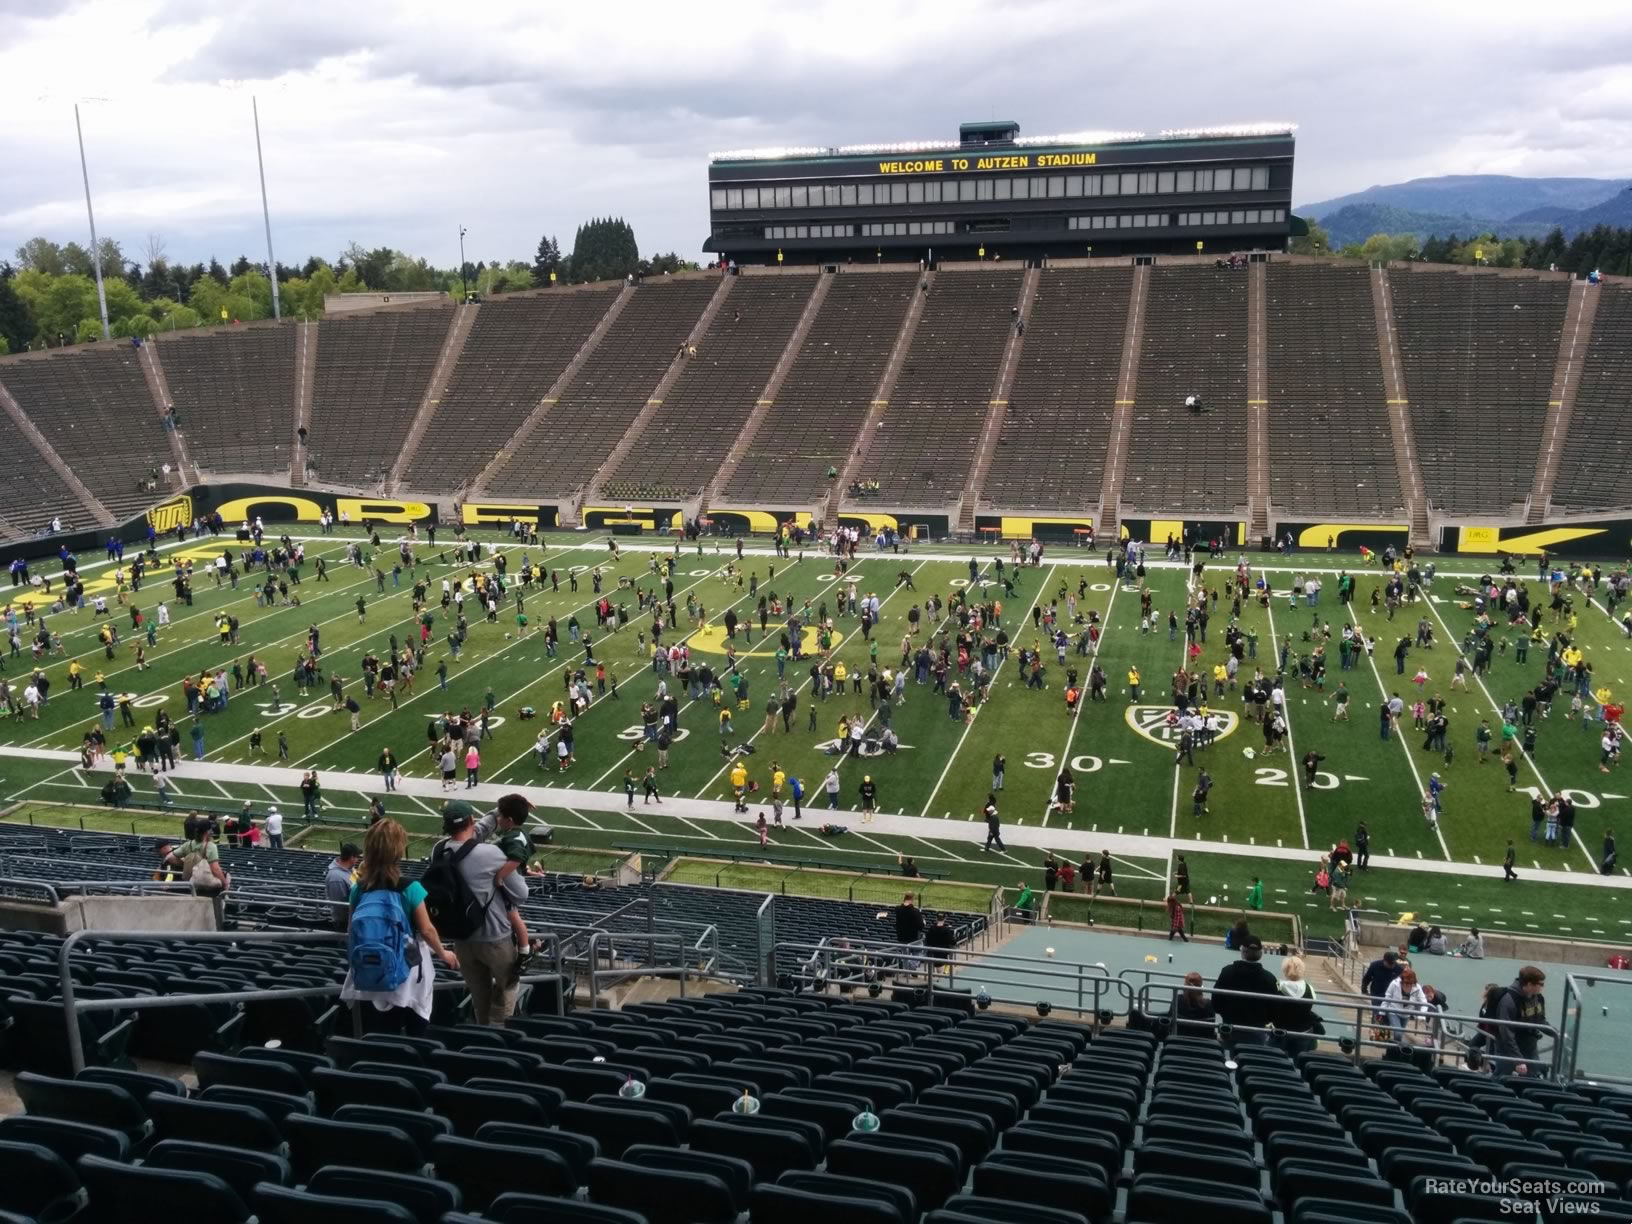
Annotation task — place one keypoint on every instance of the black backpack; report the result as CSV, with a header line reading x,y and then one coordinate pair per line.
x,y
455,912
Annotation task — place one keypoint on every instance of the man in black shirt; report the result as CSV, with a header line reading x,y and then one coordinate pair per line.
x,y
1249,976
909,930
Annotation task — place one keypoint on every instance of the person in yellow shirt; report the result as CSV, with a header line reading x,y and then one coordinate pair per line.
x,y
1133,684
739,785
1221,677
840,674
778,777
75,680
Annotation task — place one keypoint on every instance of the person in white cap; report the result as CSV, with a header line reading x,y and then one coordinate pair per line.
x,y
274,828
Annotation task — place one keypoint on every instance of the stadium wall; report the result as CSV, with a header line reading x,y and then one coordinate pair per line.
x,y
1577,538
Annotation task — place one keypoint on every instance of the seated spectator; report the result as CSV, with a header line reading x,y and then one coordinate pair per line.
x,y
1473,946
1436,942
1417,941
199,858
1193,1014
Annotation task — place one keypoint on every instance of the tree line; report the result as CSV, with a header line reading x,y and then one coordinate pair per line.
x,y
48,290
1603,249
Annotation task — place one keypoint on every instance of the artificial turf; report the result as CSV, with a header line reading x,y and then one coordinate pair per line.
x,y
1126,781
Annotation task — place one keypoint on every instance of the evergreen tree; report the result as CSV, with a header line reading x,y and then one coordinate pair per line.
x,y
604,249
16,321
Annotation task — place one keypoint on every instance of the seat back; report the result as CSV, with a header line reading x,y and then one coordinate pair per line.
x,y
240,1168
281,1205
426,1198
420,1127
662,1195
122,1192
484,1171
788,1205
82,1101
37,1183
70,1140
576,1150
208,1121
313,1143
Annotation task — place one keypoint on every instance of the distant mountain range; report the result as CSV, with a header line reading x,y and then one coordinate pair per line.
x,y
1469,204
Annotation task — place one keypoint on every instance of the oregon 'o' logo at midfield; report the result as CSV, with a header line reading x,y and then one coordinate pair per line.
x,y
713,640
1150,721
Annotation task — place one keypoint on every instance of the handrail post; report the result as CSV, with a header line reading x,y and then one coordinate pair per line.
x,y
76,1046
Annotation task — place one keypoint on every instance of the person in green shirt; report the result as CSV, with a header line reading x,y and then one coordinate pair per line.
x,y
781,661
1024,902
1255,894
199,856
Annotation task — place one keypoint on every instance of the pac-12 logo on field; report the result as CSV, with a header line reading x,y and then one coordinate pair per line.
x,y
1151,722
169,515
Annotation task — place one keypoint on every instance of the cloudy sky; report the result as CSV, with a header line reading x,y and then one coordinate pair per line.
x,y
393,124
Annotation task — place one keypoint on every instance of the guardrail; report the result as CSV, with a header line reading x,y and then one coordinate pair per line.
x,y
775,860
73,1008
28,890
1578,1026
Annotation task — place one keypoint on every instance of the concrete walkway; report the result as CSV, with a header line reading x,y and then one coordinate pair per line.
x,y
704,810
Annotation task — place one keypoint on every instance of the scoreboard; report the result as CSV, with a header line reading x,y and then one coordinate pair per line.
x,y
1112,193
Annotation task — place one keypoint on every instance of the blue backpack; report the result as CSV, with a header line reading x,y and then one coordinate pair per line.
x,y
379,942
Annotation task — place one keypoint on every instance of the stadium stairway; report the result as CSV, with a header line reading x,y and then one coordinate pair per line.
x,y
881,399
1127,387
1398,403
452,345
98,512
751,427
1257,405
159,388
655,400
553,396
998,408
305,375
1574,343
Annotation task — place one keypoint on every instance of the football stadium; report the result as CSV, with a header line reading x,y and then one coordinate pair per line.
x,y
1006,696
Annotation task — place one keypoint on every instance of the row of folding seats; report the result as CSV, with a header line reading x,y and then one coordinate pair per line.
x,y
1051,451
517,348
1195,343
573,437
1331,450
926,439
1592,470
1478,354
234,392
706,407
372,371
31,491
828,392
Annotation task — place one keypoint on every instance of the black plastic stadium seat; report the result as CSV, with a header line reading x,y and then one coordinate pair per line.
x,y
240,1168
484,1171
314,1142
964,1208
277,1106
576,1150
336,1088
247,1073
420,1128
281,1205
897,1196
37,1183
70,1140
777,1204
122,1192
208,1121
736,1174
1047,1180
932,1176
664,1196
469,1108
770,1150
544,1209
1157,1198
80,1101
426,1198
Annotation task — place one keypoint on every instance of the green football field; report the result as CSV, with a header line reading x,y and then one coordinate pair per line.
x,y
1262,819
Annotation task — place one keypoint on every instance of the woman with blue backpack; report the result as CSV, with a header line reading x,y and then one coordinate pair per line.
x,y
391,940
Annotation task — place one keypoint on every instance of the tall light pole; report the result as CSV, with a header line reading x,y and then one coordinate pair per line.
x,y
266,213
96,250
464,293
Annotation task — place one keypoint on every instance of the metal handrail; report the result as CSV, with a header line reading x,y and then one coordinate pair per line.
x,y
73,1007
1365,1018
51,897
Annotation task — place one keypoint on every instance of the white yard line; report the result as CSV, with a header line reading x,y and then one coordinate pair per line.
x,y
1295,765
1082,699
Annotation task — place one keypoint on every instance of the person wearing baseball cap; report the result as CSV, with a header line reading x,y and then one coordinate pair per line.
x,y
482,933
1246,976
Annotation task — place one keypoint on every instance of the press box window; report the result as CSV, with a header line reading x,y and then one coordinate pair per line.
x,y
1147,182
1113,184
1243,178
1185,180
1005,189
847,195
864,193
1091,184
1238,217
932,191
1164,182
1130,184
898,193
716,199
1073,185
1204,180
1056,187
915,192
799,197
784,197
1260,178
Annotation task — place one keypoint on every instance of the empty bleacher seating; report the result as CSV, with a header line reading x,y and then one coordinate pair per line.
x,y
94,407
825,398
1478,354
372,370
1331,451
1592,474
1051,452
563,449
683,445
1195,343
234,393
924,444
31,490
516,349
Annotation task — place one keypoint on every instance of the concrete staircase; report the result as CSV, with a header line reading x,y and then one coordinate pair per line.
x,y
767,397
1257,405
464,318
881,401
153,372
93,507
655,400
1573,342
305,380
1127,385
998,409
553,396
1399,423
